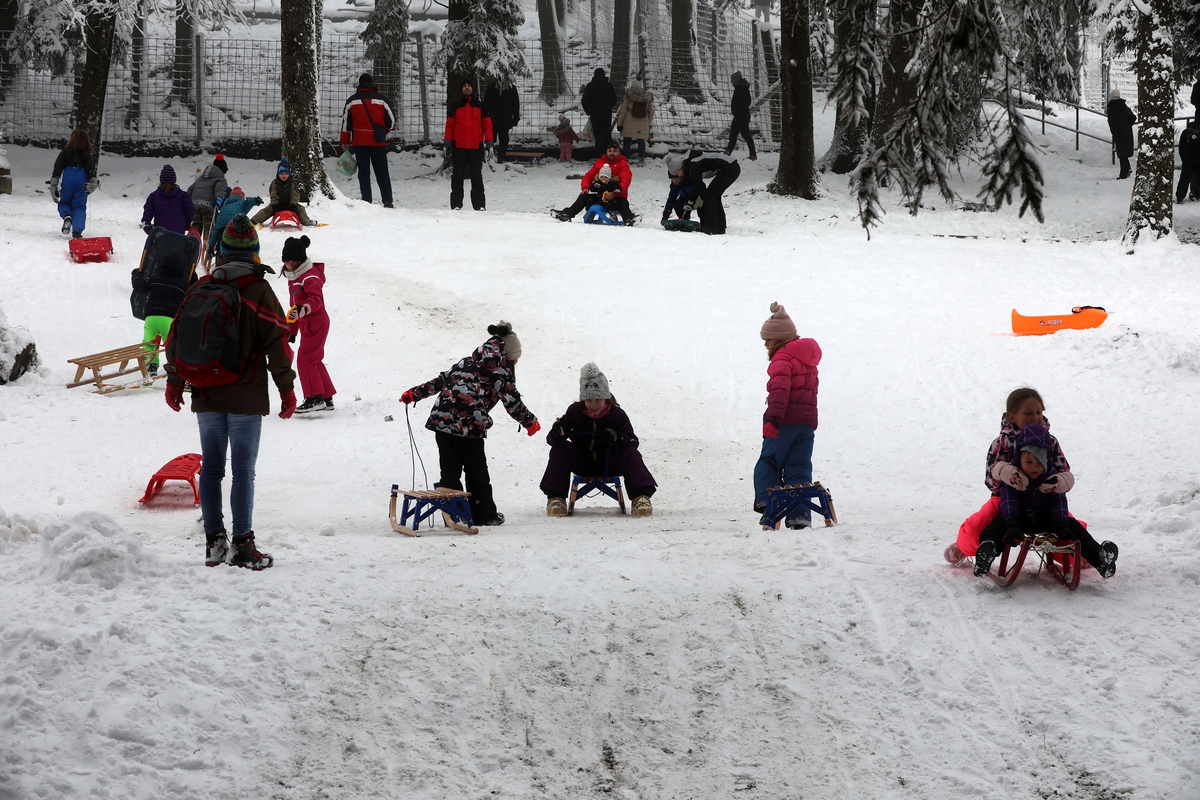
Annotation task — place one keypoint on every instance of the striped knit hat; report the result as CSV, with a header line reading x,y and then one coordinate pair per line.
x,y
240,234
167,175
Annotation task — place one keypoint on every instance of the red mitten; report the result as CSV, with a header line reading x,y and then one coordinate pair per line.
x,y
174,395
407,397
534,428
770,430
1007,473
287,404
1061,483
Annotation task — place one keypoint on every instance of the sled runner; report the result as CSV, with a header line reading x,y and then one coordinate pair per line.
x,y
122,357
285,221
783,501
420,504
685,225
160,242
583,487
90,248
181,468
1080,317
1062,559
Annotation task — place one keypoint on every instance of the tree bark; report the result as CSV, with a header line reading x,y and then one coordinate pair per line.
x,y
137,51
181,72
897,89
776,105
797,174
554,76
300,37
849,140
683,59
100,27
1151,209
622,10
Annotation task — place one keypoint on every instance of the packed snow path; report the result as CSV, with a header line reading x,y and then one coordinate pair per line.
x,y
690,655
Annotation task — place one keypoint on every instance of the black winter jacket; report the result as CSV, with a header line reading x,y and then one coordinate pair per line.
x,y
1121,120
740,105
599,98
504,106
74,158
590,436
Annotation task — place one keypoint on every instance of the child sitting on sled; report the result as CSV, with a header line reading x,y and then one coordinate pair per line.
x,y
283,198
460,419
594,437
1030,503
790,421
609,208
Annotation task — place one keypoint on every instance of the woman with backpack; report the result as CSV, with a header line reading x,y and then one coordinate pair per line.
x,y
635,117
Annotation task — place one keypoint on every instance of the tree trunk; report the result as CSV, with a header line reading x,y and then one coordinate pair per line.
x,y
8,23
775,104
560,11
622,11
897,89
137,53
181,72
849,141
1151,209
1074,42
554,76
300,37
683,57
797,175
100,28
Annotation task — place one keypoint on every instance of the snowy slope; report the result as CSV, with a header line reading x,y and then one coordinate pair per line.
x,y
686,656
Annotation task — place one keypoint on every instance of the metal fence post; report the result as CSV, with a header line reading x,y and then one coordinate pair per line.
x,y
1076,127
199,84
424,89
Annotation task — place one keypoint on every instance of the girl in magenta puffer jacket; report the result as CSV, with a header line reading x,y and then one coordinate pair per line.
x,y
308,318
790,421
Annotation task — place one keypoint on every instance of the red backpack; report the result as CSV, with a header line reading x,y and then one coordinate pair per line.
x,y
206,332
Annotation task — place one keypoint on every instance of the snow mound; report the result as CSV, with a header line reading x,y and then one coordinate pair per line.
x,y
92,548
15,529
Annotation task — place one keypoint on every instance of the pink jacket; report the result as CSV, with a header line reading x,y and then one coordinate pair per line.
x,y
309,288
792,384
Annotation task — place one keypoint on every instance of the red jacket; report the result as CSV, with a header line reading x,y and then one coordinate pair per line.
x,y
362,109
620,170
468,124
792,384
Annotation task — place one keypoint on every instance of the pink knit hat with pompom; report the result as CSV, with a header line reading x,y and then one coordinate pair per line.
x,y
779,325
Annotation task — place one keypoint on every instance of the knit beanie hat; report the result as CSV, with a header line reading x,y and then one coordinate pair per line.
x,y
365,80
599,73
512,345
1115,94
592,383
563,121
295,249
779,325
674,163
167,175
240,234
219,163
238,191
284,167
605,172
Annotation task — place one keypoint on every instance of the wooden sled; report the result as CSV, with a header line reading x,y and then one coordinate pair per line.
x,y
1081,317
1063,561
420,504
783,500
122,358
583,487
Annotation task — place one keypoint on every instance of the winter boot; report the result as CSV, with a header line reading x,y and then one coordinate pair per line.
x,y
984,556
1108,559
152,368
798,521
556,507
76,234
641,507
66,226
216,548
328,404
496,520
388,205
247,555
561,216
310,405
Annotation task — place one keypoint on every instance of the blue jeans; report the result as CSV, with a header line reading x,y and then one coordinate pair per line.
x,y
785,459
641,147
240,433
376,157
72,199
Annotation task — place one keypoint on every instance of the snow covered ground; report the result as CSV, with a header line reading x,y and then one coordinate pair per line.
x,y
690,655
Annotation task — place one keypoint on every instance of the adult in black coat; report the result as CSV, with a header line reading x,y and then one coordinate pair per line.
x,y
1189,155
599,99
1196,96
1121,120
705,200
505,107
740,106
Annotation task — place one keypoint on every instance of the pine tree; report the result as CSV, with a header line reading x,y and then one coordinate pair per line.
x,y
797,175
854,35
554,76
480,43
384,36
300,37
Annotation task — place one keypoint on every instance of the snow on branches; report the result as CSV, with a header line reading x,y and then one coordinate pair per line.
x,y
480,41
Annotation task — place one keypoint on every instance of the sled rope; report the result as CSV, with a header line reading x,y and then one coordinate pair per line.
x,y
416,456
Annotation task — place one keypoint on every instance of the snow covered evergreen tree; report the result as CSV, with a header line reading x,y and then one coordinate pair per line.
x,y
384,36
480,43
300,54
854,36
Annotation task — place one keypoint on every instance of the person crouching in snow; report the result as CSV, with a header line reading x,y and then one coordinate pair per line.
x,y
308,319
1030,503
283,198
460,419
790,421
594,437
168,206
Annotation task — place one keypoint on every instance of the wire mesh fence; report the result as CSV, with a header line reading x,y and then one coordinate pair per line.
x,y
225,92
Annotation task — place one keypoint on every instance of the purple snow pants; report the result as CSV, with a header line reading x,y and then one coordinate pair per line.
x,y
567,457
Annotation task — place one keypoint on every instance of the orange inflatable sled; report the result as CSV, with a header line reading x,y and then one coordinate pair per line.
x,y
1080,317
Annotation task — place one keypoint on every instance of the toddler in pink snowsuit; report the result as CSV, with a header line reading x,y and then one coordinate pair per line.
x,y
567,137
308,318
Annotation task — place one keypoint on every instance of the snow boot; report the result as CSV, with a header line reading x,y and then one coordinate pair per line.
x,y
152,368
1108,559
388,205
494,521
66,226
76,234
216,548
798,522
561,216
641,507
984,556
328,404
247,554
310,405
556,507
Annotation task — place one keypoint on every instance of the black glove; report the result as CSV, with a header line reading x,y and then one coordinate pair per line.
x,y
1012,533
292,338
612,437
559,431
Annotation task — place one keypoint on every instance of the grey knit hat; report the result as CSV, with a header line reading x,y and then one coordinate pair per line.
x,y
673,162
592,383
779,325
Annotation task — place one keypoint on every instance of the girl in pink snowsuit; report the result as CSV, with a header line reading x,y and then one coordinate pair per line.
x,y
308,318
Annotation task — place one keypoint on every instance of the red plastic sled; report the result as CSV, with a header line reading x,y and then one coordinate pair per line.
x,y
93,248
285,221
180,468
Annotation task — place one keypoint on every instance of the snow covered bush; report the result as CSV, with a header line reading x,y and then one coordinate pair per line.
x,y
18,353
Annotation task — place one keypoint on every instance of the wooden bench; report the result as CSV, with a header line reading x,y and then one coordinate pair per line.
x,y
517,155
136,355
